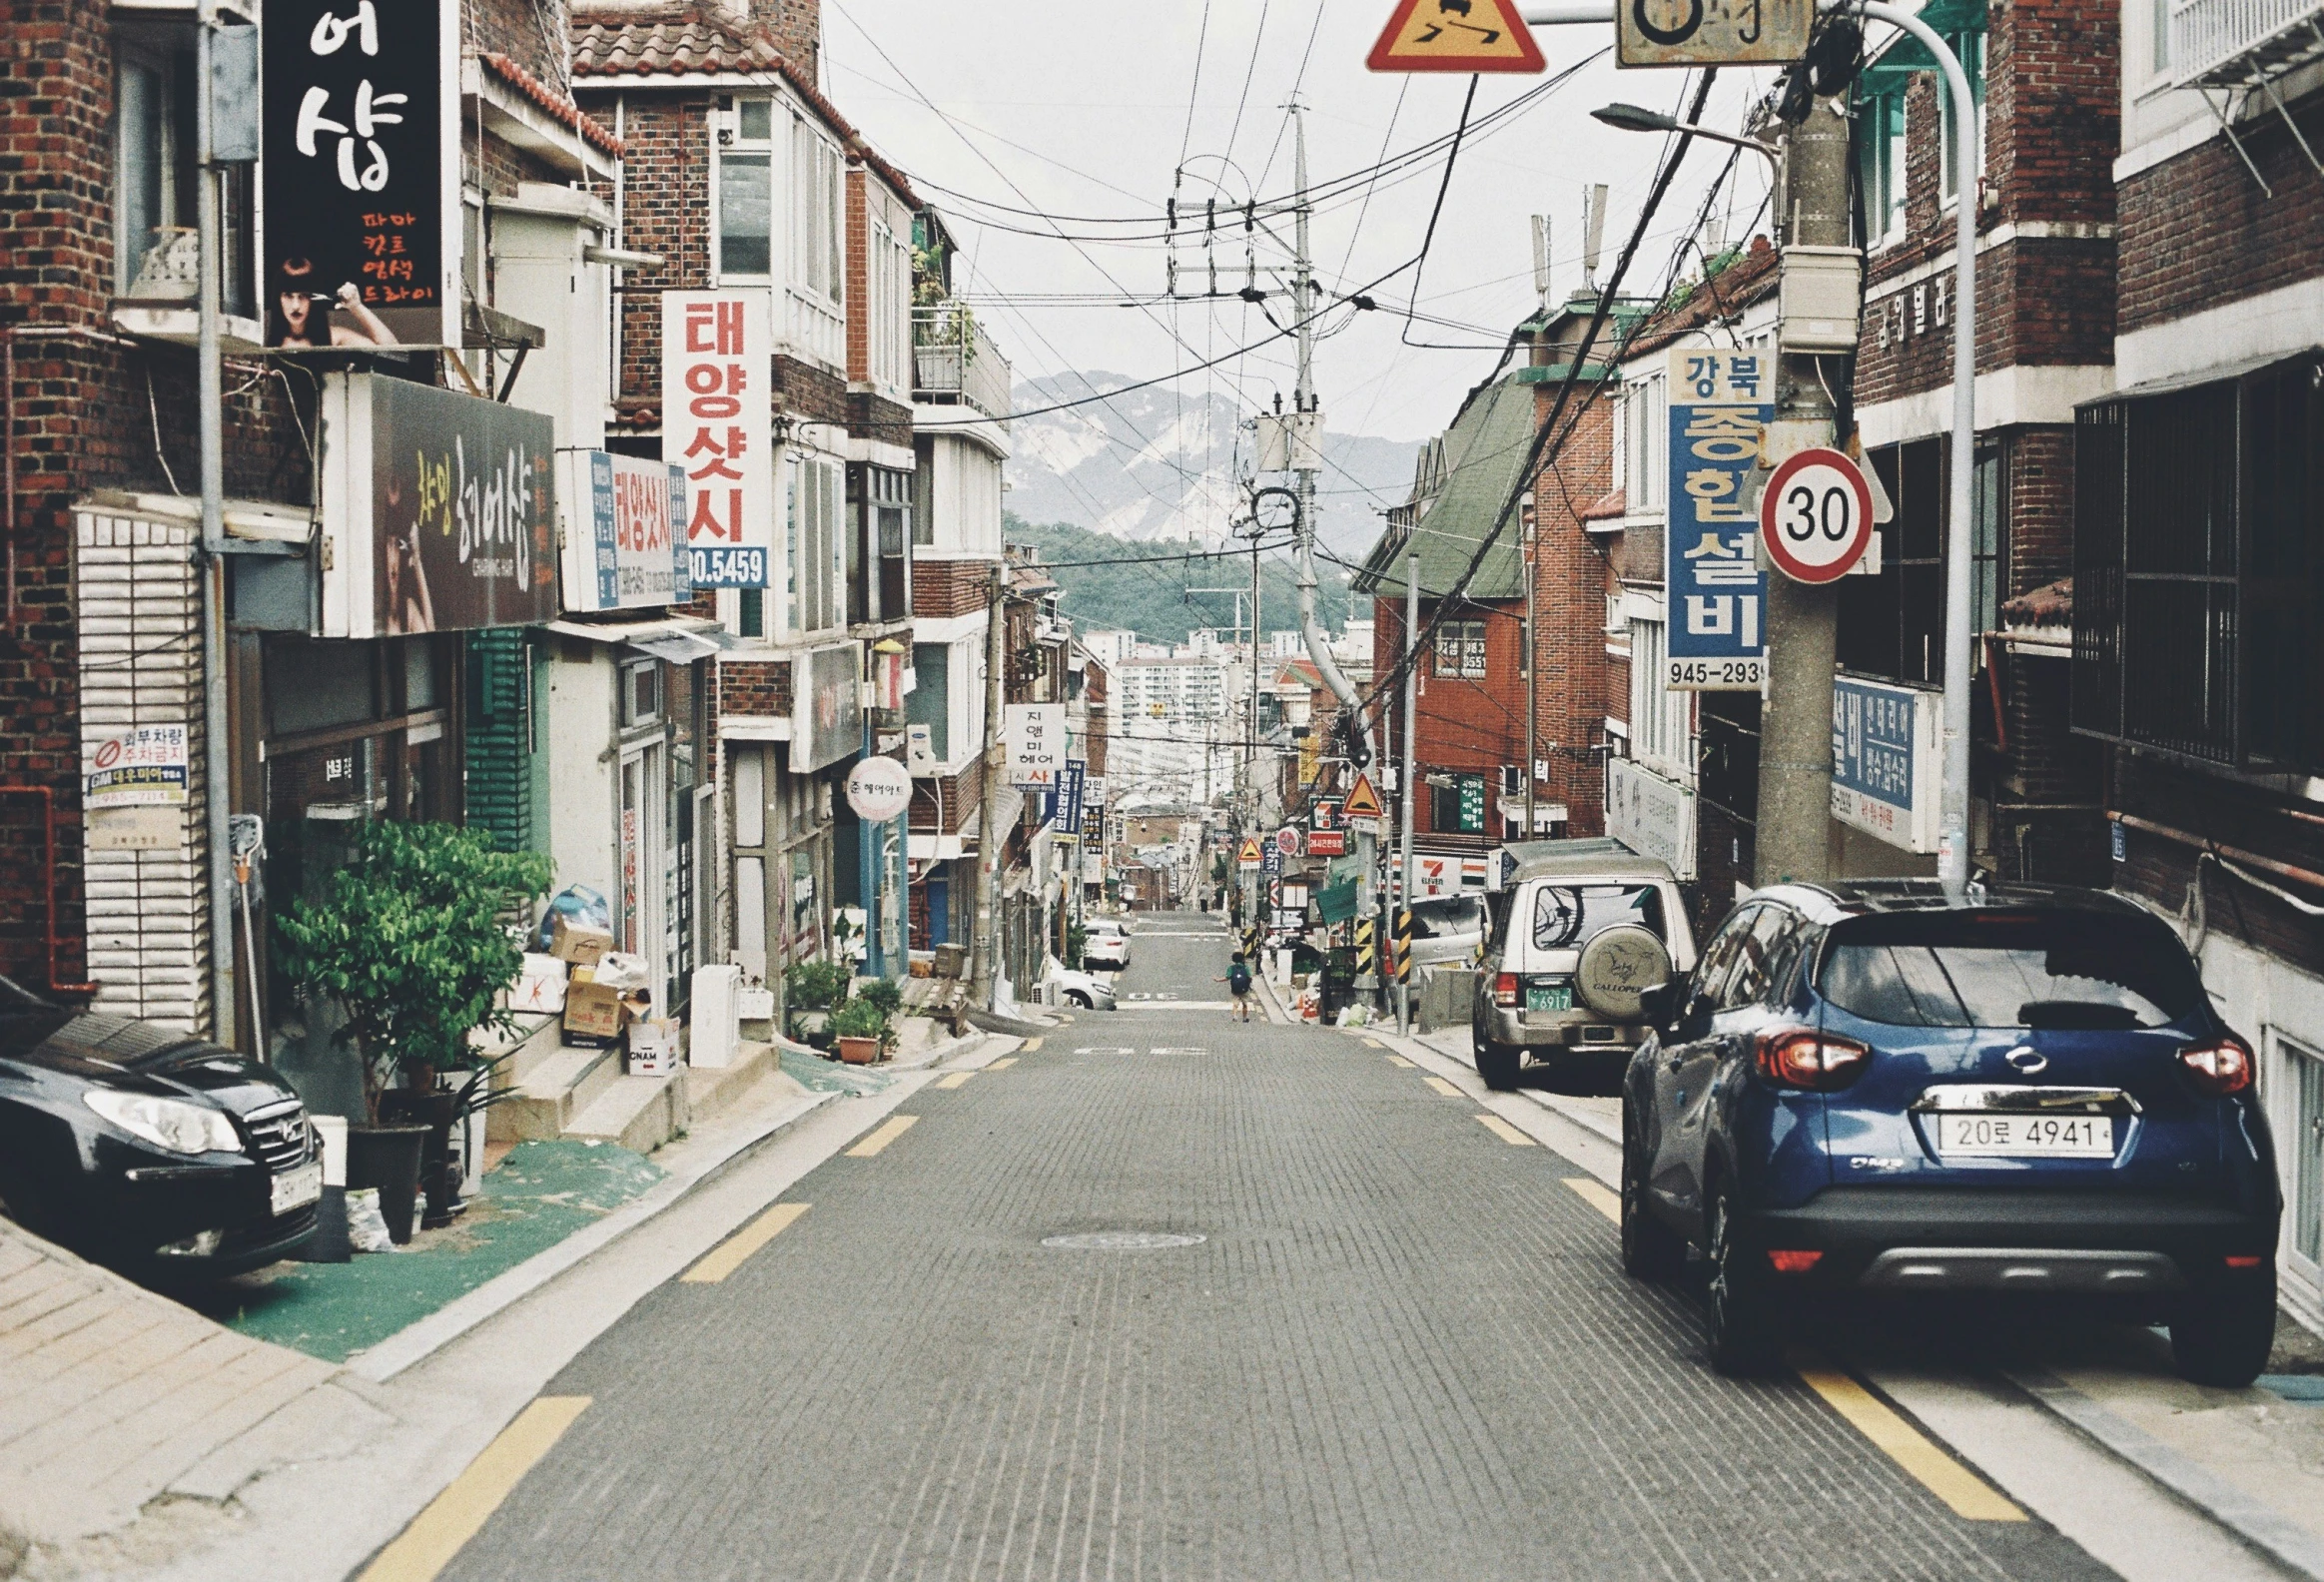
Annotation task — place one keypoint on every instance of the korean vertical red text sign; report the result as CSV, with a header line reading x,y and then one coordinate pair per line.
x,y
717,400
362,186
1719,400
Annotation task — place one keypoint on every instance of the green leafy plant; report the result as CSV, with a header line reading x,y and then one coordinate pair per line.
x,y
816,985
882,995
408,940
1076,944
860,1019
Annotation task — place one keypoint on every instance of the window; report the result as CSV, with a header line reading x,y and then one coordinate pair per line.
x,y
1989,530
1565,917
1660,719
1891,626
2198,546
1970,47
746,206
1880,163
2159,24
818,233
641,695
1646,441
2023,967
890,270
1460,649
154,176
923,489
815,544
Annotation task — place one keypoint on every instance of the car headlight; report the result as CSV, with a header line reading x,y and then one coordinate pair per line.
x,y
173,1123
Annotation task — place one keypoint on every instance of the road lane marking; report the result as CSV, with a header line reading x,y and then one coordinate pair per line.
x,y
1505,1132
1597,1196
1030,1047
440,1532
889,1131
952,1079
728,1256
1007,1061
1104,1048
1443,1087
1906,1446
1398,1060
1376,1044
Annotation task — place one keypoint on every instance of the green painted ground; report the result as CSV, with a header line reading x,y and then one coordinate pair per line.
x,y
541,1194
821,1076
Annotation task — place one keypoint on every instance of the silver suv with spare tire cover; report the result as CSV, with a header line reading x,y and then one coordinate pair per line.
x,y
1580,930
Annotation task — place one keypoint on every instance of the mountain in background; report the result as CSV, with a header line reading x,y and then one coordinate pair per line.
x,y
1155,600
1157,463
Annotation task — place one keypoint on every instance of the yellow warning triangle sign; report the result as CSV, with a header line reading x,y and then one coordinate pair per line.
x,y
1456,35
1250,856
1362,800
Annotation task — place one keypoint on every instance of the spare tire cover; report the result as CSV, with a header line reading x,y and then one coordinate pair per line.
x,y
1617,965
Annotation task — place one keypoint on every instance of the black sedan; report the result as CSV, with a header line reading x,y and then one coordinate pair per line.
x,y
146,1149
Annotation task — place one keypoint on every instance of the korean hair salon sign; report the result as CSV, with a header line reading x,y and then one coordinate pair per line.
x,y
362,196
1719,401
623,540
717,410
437,510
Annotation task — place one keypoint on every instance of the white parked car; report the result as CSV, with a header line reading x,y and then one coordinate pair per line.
x,y
1107,943
1082,990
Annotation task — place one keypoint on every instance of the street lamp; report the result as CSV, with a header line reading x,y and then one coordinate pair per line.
x,y
1632,118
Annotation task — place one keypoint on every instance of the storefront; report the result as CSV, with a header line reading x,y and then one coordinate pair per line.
x,y
785,767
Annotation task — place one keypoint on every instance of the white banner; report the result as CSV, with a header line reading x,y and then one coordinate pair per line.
x,y
620,516
1037,744
717,398
1652,816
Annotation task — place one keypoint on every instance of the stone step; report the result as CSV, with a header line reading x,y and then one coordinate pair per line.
x,y
557,1089
639,1112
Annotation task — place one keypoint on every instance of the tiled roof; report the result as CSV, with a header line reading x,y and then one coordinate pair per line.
x,y
2052,605
558,106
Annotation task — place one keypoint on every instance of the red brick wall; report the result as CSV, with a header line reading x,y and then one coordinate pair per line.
x,y
755,687
810,392
956,793
1570,618
665,209
949,587
1466,727
2198,232
859,278
797,29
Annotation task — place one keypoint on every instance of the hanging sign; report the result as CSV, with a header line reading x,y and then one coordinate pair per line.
x,y
1069,796
1455,36
1711,32
1288,840
1326,843
878,789
1248,856
362,192
621,547
1815,517
717,395
1036,734
1362,801
1885,761
1719,401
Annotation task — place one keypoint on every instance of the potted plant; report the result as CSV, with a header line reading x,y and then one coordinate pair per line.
x,y
407,938
860,1028
811,991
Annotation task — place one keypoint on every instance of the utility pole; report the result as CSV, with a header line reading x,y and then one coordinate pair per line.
x,y
1794,836
1529,538
1405,778
983,947
209,424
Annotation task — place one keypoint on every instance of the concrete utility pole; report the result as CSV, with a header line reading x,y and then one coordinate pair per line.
x,y
983,947
1794,838
1405,777
209,424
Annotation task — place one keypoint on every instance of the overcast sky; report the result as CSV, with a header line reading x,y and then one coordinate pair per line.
x,y
1082,111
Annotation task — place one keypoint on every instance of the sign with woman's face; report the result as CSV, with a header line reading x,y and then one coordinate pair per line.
x,y
462,511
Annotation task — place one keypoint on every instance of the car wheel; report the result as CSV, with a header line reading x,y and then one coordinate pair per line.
x,y
1496,1062
1739,1326
1651,1250
2223,1335
1078,1000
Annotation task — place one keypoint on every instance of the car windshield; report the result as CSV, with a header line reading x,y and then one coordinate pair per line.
x,y
2053,969
1450,914
1567,916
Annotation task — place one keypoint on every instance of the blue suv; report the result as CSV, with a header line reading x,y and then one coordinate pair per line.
x,y
1874,1089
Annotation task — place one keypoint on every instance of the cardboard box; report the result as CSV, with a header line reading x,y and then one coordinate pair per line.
x,y
578,943
540,986
653,1048
593,1014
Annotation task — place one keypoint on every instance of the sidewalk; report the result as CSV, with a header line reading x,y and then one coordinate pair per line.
x,y
2251,1460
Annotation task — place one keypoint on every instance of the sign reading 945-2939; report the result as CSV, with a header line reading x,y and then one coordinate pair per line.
x,y
1711,32
1719,400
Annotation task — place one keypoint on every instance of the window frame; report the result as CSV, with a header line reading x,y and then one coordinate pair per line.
x,y
1968,47
1465,641
761,151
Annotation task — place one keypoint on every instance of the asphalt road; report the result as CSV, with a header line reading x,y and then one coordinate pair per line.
x,y
1401,1349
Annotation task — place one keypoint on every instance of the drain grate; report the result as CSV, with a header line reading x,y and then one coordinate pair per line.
x,y
1121,1240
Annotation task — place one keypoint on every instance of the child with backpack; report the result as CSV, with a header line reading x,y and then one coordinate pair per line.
x,y
1238,981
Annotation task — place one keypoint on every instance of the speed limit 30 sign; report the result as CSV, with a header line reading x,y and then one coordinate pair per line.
x,y
1815,517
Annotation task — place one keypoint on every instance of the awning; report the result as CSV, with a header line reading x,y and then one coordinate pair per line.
x,y
2217,374
636,632
1336,902
1886,73
1011,803
676,647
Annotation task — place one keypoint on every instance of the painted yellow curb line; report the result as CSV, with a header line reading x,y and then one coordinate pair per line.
x,y
1598,1195
726,1257
952,1079
1400,1061
1005,1060
888,1132
1505,1132
1443,1087
439,1533
1903,1444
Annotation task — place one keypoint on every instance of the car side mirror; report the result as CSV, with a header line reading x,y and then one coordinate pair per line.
x,y
1660,1002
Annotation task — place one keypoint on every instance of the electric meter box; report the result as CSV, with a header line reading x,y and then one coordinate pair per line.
x,y
1822,299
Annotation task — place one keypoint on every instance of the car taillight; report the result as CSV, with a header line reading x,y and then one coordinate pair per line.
x,y
1803,1058
2221,1068
1793,1261
1505,988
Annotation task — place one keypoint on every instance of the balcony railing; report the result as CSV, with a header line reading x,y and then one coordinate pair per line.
x,y
2234,43
955,361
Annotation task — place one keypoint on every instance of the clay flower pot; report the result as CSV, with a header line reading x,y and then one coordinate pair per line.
x,y
859,1051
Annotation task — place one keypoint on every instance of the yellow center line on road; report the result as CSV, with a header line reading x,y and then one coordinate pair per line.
x,y
1005,1061
1906,1446
1443,1087
1504,1131
1598,1195
421,1551
888,1132
952,1079
1373,1044
1398,1060
725,1258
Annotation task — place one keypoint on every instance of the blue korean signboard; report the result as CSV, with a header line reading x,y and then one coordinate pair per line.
x,y
1884,761
1719,399
1066,801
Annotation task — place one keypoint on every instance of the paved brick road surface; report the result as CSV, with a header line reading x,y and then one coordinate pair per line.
x,y
1405,1349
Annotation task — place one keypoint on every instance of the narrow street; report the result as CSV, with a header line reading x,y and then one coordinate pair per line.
x,y
1402,1347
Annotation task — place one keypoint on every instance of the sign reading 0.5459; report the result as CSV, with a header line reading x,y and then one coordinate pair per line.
x,y
1719,400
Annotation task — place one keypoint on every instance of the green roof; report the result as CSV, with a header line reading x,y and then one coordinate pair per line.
x,y
1484,454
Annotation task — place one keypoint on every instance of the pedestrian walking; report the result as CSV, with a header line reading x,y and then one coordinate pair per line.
x,y
1238,981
